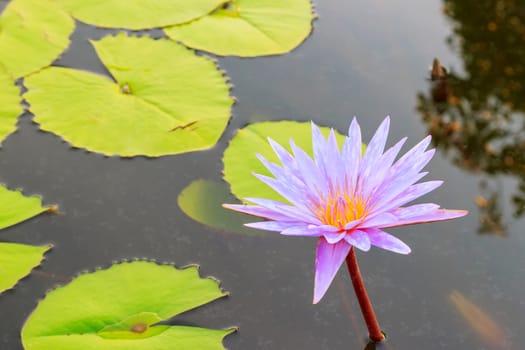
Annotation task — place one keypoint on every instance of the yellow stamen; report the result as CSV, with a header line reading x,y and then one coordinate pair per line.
x,y
340,209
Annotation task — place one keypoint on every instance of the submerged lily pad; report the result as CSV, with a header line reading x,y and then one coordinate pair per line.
x,y
249,28
32,35
10,107
17,261
202,201
240,160
164,100
139,14
118,309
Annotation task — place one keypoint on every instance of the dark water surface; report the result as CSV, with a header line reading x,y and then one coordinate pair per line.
x,y
459,289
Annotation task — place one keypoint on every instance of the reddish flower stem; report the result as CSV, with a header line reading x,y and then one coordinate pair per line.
x,y
374,331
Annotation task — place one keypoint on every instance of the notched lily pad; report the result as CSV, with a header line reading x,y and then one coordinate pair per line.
x,y
249,28
17,261
15,207
202,201
240,160
138,14
10,107
163,100
119,308
33,33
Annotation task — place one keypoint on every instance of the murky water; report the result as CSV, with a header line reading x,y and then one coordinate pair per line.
x,y
458,288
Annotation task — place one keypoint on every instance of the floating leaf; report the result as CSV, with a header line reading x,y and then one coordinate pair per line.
x,y
15,207
118,308
202,201
166,100
10,107
17,261
32,35
139,14
248,28
240,161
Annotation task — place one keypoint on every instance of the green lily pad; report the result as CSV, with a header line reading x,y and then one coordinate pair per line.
x,y
32,35
240,160
10,107
17,261
164,100
15,207
202,201
249,28
138,14
118,309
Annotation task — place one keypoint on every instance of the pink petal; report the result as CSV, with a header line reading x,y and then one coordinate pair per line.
x,y
386,241
329,258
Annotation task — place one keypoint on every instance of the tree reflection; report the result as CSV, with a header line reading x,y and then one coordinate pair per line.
x,y
478,118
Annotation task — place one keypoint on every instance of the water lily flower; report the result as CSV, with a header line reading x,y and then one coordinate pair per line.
x,y
344,197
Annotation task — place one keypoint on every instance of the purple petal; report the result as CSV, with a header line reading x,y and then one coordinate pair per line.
x,y
284,157
318,146
386,241
379,220
333,162
411,193
312,176
436,215
290,211
310,230
260,212
333,238
375,147
329,258
351,154
358,239
277,226
381,168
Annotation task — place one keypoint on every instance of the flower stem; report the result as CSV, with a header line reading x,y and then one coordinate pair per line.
x,y
374,331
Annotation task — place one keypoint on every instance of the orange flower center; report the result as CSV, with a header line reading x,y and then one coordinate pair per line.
x,y
340,209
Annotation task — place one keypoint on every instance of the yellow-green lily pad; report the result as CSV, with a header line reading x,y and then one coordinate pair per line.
x,y
138,14
119,308
33,33
163,99
248,28
17,261
10,107
15,207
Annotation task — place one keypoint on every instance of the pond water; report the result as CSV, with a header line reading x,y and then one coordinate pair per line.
x,y
462,285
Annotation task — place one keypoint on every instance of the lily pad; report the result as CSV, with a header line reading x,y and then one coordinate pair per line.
x,y
15,207
118,309
138,14
164,100
202,201
10,107
249,28
17,261
33,33
240,160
